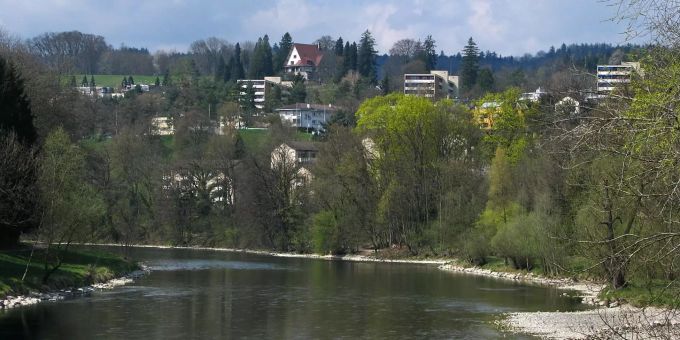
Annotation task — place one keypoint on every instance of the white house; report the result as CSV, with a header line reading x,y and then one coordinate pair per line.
x,y
533,96
303,59
307,116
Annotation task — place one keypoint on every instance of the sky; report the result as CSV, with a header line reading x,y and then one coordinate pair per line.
x,y
508,27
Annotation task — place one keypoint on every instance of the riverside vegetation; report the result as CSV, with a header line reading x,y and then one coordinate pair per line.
x,y
584,194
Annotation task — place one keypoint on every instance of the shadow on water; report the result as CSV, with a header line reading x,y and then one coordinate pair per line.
x,y
207,294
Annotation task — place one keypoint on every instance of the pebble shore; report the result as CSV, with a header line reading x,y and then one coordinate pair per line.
x,y
62,294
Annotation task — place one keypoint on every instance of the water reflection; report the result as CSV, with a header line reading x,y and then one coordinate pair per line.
x,y
204,294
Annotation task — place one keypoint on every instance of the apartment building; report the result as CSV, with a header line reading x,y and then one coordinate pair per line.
x,y
262,88
611,76
435,85
307,116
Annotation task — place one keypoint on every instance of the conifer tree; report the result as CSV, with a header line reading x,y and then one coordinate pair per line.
x,y
385,85
73,82
157,83
84,82
285,45
429,54
470,65
339,47
124,83
131,81
92,83
166,78
366,57
237,71
353,57
15,108
219,70
347,59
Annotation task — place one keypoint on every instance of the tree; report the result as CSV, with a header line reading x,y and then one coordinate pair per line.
x,y
325,43
385,85
15,107
408,48
68,203
366,57
339,47
470,65
18,192
298,92
131,81
218,76
84,82
486,79
429,53
285,45
72,82
237,71
157,82
92,83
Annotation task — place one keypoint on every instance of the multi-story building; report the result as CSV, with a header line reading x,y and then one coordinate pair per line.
x,y
307,116
261,88
611,76
303,59
435,85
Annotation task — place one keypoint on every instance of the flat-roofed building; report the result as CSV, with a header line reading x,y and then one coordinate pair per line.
x,y
261,89
435,85
610,77
307,116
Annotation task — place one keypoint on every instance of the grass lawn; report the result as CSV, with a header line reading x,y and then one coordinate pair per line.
x,y
112,80
80,268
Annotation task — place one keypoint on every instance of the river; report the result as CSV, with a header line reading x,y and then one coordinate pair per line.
x,y
212,295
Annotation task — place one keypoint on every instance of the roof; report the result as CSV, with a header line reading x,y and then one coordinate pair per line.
x,y
303,146
305,106
309,55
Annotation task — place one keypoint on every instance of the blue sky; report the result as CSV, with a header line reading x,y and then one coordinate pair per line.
x,y
509,27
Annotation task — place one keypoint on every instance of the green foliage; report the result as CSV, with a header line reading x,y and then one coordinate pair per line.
x,y
366,55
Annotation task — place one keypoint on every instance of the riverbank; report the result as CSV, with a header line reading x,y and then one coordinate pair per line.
x,y
81,273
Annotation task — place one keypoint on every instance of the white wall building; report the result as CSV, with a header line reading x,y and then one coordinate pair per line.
x,y
435,85
261,88
307,116
611,76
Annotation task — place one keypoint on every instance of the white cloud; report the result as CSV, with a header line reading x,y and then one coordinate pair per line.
x,y
377,20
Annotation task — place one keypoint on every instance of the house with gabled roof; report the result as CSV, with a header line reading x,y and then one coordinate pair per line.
x,y
303,59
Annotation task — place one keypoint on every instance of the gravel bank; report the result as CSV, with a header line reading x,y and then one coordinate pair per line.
x,y
57,295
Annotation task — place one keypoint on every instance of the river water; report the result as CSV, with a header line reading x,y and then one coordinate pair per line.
x,y
192,294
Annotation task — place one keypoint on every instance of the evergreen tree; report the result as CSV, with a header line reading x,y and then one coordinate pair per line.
x,y
366,57
84,82
219,70
166,78
469,65
248,100
267,56
298,92
237,71
429,54
346,59
157,83
124,83
353,57
15,108
131,81
92,83
226,76
285,45
339,47
73,82
486,79
385,85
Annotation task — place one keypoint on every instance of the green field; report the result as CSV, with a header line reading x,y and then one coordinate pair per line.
x,y
112,80
80,268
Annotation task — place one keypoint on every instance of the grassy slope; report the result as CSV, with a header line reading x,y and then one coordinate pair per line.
x,y
80,268
112,80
